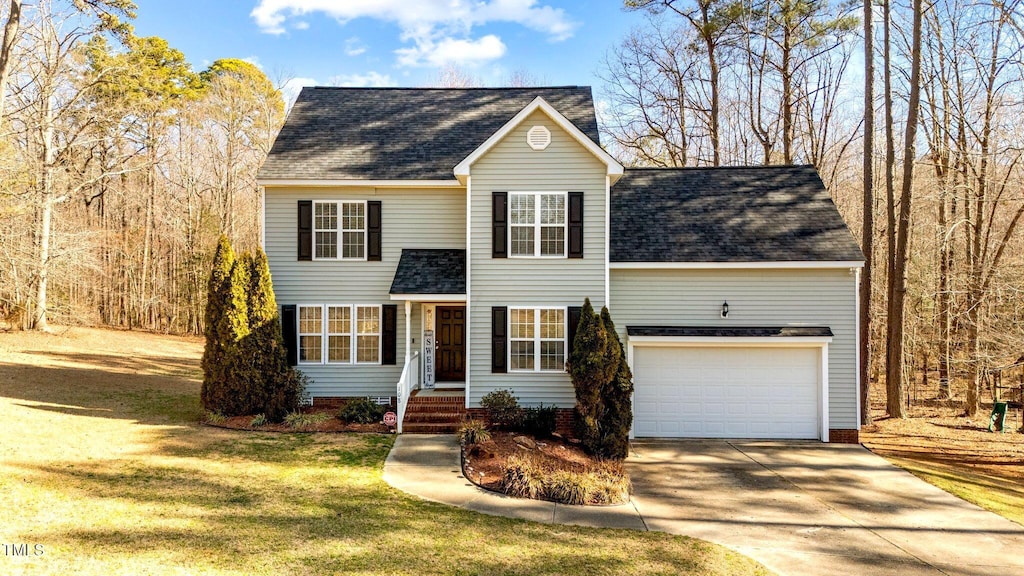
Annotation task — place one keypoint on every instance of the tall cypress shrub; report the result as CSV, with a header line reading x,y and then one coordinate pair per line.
x,y
275,387
216,294
617,417
227,394
589,375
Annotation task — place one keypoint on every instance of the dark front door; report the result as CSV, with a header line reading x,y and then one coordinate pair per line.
x,y
451,344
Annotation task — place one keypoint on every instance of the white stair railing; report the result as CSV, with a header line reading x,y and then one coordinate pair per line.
x,y
409,380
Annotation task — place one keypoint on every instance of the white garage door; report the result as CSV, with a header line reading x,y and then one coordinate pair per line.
x,y
725,392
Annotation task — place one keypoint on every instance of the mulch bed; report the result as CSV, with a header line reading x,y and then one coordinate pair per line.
x,y
331,425
484,465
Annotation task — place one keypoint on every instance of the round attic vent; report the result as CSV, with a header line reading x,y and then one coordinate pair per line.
x,y
538,137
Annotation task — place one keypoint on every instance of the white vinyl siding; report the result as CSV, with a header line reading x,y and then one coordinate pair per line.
x,y
760,297
512,166
537,224
411,218
339,224
536,339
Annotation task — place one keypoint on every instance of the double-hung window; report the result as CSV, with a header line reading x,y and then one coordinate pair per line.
x,y
339,334
311,326
537,339
339,230
537,224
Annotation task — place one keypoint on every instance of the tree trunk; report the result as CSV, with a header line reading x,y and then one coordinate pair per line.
x,y
6,47
868,229
787,97
894,368
40,320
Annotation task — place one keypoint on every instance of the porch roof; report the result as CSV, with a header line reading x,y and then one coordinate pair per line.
x,y
430,272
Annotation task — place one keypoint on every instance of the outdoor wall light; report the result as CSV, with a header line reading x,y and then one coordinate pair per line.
x,y
725,309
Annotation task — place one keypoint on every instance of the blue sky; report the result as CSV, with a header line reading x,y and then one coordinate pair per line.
x,y
394,42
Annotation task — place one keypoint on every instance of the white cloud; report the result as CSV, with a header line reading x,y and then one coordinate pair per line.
x,y
440,30
301,25
451,51
368,80
354,46
291,88
254,60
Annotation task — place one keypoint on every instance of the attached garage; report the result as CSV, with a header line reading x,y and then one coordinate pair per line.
x,y
744,383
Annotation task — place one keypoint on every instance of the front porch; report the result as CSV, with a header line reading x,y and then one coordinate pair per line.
x,y
432,389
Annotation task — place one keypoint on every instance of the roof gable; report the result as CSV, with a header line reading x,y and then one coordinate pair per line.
x,y
614,169
335,134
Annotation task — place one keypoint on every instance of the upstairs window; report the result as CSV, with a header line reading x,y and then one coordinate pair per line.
x,y
537,224
339,230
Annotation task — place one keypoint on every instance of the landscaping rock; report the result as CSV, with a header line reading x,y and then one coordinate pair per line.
x,y
525,442
478,451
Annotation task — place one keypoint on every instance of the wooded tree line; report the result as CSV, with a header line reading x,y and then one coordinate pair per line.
x,y
120,166
926,169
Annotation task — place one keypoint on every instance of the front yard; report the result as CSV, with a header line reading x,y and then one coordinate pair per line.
x,y
104,467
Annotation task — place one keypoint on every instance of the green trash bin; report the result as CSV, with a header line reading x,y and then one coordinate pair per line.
x,y
998,419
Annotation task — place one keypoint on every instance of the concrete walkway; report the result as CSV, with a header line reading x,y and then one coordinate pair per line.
x,y
428,466
799,508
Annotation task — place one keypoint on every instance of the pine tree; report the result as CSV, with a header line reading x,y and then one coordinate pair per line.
x,y
617,417
589,373
213,352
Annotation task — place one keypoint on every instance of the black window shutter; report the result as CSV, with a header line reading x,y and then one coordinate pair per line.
x,y
499,339
575,224
373,231
574,322
389,334
289,330
499,235
305,229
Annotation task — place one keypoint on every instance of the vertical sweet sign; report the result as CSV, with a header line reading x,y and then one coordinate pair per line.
x,y
428,359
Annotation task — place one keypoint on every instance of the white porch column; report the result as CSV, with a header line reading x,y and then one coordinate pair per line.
x,y
408,331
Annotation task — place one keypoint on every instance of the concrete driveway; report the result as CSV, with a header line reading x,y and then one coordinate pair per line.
x,y
811,508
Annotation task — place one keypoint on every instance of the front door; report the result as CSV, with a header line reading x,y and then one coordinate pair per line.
x,y
451,344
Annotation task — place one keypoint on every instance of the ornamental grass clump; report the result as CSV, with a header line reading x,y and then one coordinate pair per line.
x,y
523,477
473,432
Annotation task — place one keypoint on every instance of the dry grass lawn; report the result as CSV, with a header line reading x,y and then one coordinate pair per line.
x,y
940,445
103,465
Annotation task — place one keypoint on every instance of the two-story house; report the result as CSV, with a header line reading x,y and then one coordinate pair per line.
x,y
439,242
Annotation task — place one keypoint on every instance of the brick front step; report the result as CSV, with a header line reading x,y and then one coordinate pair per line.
x,y
429,428
448,417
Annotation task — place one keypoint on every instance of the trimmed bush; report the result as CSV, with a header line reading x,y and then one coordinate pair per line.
x,y
473,432
362,411
245,362
540,421
503,409
589,372
617,416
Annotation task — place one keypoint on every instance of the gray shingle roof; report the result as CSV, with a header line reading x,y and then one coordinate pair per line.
x,y
730,331
430,272
403,133
733,214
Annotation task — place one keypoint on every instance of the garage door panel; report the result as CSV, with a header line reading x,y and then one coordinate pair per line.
x,y
726,392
